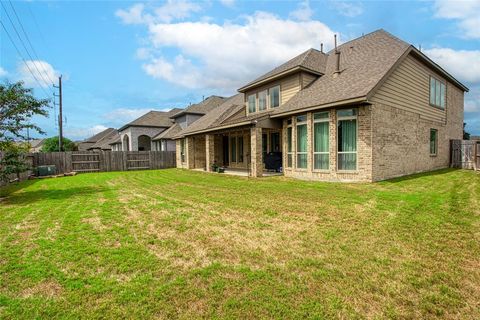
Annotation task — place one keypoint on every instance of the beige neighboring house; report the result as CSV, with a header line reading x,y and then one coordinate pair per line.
x,y
36,145
137,135
182,119
372,109
89,142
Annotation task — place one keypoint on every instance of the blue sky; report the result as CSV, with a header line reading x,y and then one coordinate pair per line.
x,y
120,59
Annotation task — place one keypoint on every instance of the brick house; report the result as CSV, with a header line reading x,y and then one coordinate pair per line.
x,y
373,108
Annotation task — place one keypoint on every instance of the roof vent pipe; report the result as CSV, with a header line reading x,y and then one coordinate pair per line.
x,y
337,55
321,47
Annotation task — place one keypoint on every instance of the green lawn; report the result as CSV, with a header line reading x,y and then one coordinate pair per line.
x,y
182,244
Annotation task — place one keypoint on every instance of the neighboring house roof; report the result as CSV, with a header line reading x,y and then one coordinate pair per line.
x,y
474,137
211,120
311,60
156,119
170,133
115,139
365,63
99,135
104,143
36,143
203,107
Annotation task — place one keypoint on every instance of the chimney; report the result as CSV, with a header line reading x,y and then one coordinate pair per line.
x,y
337,55
321,47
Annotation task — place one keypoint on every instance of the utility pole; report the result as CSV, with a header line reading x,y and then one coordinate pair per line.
x,y
60,115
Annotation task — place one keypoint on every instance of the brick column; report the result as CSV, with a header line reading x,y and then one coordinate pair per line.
x,y
256,165
190,157
209,151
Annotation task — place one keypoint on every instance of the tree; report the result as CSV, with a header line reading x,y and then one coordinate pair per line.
x,y
51,144
17,107
466,135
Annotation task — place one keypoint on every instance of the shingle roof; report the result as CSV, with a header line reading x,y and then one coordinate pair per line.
x,y
106,141
203,107
153,119
99,135
363,63
35,143
312,60
170,133
216,116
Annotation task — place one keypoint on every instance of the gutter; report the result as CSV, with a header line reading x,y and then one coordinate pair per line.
x,y
322,106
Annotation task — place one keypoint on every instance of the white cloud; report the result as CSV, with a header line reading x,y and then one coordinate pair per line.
x,y
226,56
348,9
170,11
463,64
77,133
466,13
41,70
3,72
303,13
228,3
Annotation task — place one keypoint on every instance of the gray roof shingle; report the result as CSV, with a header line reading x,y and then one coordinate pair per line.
x,y
203,107
153,119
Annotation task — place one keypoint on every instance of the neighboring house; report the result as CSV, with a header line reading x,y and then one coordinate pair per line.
x,y
104,144
89,142
137,135
182,119
372,109
36,145
477,138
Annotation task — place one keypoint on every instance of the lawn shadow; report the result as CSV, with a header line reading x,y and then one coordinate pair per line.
x,y
420,175
50,194
6,190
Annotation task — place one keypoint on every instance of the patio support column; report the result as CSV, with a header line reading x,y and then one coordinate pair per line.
x,y
256,165
190,153
209,151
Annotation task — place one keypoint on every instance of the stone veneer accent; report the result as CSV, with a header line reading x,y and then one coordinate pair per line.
x,y
256,152
209,151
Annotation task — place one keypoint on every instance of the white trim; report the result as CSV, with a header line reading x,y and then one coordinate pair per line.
x,y
342,118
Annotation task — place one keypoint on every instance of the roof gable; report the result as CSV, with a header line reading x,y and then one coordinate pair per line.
x,y
201,108
153,119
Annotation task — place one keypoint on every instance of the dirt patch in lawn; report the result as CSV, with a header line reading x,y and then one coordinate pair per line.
x,y
49,289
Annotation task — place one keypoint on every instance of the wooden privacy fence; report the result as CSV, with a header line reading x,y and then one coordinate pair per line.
x,y
465,154
86,161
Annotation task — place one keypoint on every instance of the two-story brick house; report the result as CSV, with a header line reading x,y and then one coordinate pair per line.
x,y
372,109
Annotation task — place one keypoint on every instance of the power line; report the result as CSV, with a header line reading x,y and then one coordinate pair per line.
x,y
23,59
24,46
28,40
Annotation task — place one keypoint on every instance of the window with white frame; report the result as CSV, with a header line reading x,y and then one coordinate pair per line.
x,y
301,142
252,107
182,150
437,93
321,141
347,139
274,96
262,100
289,144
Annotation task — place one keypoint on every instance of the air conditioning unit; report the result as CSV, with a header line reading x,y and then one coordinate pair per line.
x,y
43,171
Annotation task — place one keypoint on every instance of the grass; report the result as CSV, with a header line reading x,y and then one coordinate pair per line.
x,y
182,244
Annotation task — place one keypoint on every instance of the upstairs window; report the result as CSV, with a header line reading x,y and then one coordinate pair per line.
x,y
437,93
274,94
262,100
252,103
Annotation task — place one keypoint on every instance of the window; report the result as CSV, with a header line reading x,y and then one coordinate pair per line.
x,y
289,148
437,93
433,142
274,94
182,150
164,145
233,149
321,139
262,100
252,103
302,142
264,145
275,142
240,149
347,139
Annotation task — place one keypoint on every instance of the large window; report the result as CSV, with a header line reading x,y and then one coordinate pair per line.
x,y
233,149
262,100
252,103
302,142
347,139
437,93
321,141
433,142
182,150
274,94
289,147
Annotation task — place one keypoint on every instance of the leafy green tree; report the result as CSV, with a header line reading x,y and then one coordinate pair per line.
x,y
17,107
51,144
